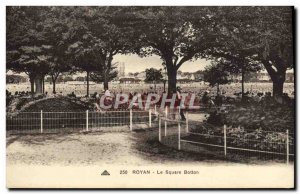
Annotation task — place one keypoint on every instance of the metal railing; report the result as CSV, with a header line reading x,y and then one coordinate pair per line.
x,y
54,122
228,139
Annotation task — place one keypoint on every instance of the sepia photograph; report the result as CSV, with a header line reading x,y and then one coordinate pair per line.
x,y
150,97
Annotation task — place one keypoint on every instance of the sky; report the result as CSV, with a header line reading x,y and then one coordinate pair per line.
x,y
134,63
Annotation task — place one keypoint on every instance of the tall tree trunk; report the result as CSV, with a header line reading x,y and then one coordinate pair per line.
x,y
105,84
107,70
278,89
53,78
39,84
105,81
278,79
172,67
54,87
172,79
243,89
32,86
218,89
43,84
87,83
31,80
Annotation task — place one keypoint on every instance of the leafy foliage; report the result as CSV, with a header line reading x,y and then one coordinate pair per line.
x,y
216,74
46,40
153,75
176,34
259,34
98,77
26,42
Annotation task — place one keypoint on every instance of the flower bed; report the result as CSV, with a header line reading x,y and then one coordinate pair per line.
x,y
239,137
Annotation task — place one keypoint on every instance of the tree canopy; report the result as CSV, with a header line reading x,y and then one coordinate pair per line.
x,y
153,75
176,34
261,35
217,74
52,40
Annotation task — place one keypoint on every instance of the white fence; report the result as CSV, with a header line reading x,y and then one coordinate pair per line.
x,y
53,122
228,139
233,140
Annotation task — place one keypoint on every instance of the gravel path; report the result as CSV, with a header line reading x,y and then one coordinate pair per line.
x,y
97,148
75,149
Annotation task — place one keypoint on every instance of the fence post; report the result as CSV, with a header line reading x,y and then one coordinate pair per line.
x,y
41,121
159,129
166,113
225,141
87,120
287,147
150,117
130,119
179,146
187,122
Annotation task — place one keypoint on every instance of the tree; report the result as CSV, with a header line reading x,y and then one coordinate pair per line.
x,y
238,65
97,76
26,45
186,74
176,34
276,52
153,76
60,79
242,66
84,59
36,43
80,79
15,79
55,69
102,27
264,34
68,78
56,27
199,75
217,75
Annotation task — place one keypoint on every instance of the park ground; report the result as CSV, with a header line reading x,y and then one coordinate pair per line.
x,y
97,148
140,147
80,90
77,161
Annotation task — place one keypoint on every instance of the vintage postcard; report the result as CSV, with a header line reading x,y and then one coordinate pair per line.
x,y
135,97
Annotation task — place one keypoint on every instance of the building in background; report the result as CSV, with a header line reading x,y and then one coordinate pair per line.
x,y
16,79
263,77
129,80
121,69
290,77
141,75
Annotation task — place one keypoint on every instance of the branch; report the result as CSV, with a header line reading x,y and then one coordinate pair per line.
x,y
116,50
184,59
269,69
176,59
